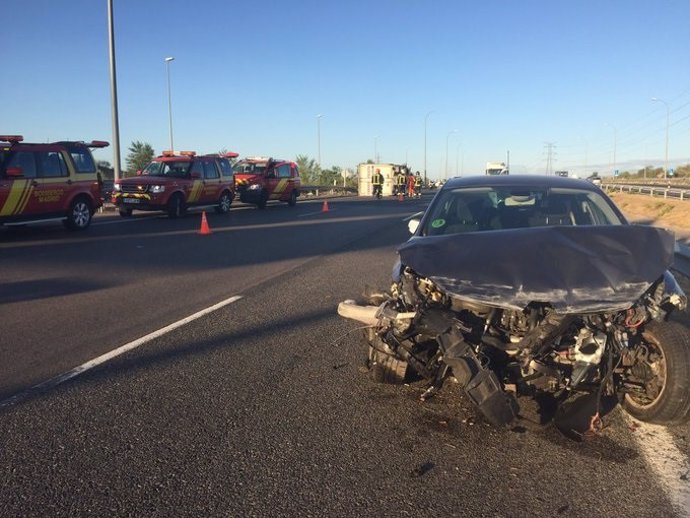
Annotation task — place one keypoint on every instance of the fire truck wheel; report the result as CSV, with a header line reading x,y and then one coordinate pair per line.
x,y
79,214
293,199
262,201
224,203
175,206
126,213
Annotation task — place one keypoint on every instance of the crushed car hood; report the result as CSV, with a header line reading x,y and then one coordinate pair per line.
x,y
576,269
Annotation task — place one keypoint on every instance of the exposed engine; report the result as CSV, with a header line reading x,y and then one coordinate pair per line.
x,y
499,353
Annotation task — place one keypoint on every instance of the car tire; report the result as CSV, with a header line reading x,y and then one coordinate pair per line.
x,y
293,199
126,213
80,214
385,368
668,399
261,204
224,203
175,206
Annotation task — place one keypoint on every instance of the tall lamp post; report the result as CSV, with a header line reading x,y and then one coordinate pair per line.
x,y
668,113
426,117
318,137
113,93
167,66
445,172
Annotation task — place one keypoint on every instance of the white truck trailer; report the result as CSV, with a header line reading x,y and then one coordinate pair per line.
x,y
496,168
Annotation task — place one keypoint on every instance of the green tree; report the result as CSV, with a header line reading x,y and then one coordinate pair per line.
x,y
140,154
308,169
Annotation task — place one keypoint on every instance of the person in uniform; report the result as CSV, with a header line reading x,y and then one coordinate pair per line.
x,y
417,185
377,182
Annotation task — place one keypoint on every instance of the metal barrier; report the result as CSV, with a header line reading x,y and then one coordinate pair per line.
x,y
664,192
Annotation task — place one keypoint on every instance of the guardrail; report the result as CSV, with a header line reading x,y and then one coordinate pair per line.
x,y
664,192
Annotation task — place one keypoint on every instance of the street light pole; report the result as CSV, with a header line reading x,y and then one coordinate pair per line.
x,y
318,136
445,172
167,66
668,114
113,93
426,117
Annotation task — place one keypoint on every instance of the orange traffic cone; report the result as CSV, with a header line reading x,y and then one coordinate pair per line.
x,y
204,230
325,206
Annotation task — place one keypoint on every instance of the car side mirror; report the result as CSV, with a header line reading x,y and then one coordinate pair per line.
x,y
14,171
415,220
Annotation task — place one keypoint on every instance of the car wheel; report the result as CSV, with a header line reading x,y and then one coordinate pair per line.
x,y
224,203
263,200
175,206
665,371
79,215
293,199
126,213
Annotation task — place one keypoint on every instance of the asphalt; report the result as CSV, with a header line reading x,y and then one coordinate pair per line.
x,y
263,408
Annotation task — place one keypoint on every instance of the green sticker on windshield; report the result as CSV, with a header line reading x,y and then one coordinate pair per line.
x,y
438,223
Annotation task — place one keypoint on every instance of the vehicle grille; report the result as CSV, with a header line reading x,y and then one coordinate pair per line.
x,y
134,188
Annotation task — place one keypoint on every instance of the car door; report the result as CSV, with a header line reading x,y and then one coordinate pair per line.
x,y
212,183
16,189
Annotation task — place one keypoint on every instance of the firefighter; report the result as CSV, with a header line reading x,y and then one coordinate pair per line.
x,y
417,185
400,181
410,184
377,182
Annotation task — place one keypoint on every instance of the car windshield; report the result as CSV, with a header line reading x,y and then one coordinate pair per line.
x,y
249,168
168,168
495,208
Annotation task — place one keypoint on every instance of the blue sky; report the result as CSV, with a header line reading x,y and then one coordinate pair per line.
x,y
252,77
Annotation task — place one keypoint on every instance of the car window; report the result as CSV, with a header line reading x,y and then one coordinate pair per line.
x,y
25,160
178,169
225,166
197,168
480,209
284,171
51,164
210,171
83,161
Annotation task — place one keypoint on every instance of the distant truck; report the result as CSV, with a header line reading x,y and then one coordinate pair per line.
x,y
496,168
564,174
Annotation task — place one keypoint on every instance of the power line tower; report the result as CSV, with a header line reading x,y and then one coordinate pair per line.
x,y
550,154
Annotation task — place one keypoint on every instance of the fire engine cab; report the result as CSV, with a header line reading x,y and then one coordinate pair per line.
x,y
173,182
259,180
41,182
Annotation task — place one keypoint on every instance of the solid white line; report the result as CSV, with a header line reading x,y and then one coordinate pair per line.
x,y
666,460
312,213
115,352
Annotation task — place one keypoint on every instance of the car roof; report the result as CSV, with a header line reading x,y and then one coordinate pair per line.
x,y
519,180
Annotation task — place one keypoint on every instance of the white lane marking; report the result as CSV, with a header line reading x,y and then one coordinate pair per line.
x,y
314,213
115,352
666,460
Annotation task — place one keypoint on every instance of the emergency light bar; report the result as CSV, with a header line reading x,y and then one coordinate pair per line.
x,y
11,138
231,154
98,143
188,153
168,153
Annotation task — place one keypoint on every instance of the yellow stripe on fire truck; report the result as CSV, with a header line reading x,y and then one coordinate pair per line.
x,y
278,191
17,192
196,191
23,202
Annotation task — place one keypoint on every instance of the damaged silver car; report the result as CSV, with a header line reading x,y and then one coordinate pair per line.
x,y
524,286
